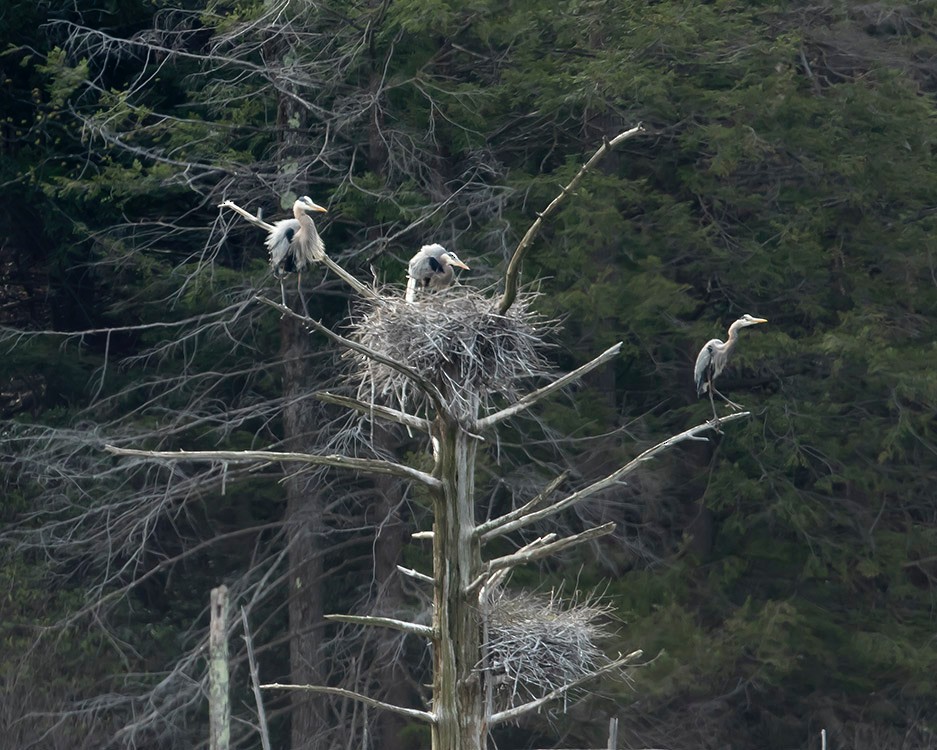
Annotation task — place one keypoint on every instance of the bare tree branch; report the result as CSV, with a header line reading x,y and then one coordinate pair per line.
x,y
510,276
342,462
363,289
529,554
386,622
415,574
412,713
384,412
425,385
531,398
255,220
255,683
498,528
483,528
497,578
513,713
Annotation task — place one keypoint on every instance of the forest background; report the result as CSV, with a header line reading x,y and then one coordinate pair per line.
x,y
782,577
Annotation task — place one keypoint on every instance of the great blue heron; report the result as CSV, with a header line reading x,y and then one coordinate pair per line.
x,y
295,243
712,360
431,268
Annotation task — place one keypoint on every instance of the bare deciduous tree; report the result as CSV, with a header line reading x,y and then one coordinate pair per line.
x,y
452,357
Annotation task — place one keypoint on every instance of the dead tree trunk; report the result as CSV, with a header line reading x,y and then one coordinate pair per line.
x,y
304,534
465,345
458,697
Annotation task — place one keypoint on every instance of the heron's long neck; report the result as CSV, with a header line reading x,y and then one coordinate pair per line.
x,y
305,221
733,335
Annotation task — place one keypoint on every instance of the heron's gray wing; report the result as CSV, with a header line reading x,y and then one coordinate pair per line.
x,y
278,242
414,267
704,361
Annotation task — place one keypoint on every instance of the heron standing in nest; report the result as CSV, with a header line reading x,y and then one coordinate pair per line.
x,y
431,268
295,243
713,357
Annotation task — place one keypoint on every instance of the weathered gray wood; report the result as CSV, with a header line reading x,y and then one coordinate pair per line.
x,y
219,707
255,683
532,398
483,528
535,552
341,462
415,574
516,711
458,696
613,733
499,526
385,622
412,713
374,410
431,391
514,266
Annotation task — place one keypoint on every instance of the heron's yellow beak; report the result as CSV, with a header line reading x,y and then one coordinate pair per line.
x,y
459,263
317,207
760,320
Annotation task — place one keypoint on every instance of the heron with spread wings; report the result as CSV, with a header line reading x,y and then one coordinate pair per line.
x,y
713,357
295,243
431,268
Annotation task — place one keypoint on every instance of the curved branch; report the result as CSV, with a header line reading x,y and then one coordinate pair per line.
x,y
510,276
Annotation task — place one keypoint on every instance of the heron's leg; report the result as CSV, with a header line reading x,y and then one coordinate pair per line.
x,y
711,402
299,288
732,404
283,291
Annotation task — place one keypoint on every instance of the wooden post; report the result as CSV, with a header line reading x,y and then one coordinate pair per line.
x,y
613,734
219,708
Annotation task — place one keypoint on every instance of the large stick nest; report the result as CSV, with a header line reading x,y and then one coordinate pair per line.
x,y
538,643
457,340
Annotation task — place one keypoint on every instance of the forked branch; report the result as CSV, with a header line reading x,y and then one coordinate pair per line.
x,y
536,550
513,713
482,529
511,275
510,522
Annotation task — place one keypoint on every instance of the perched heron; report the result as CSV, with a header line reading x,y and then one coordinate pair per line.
x,y
431,268
295,243
713,357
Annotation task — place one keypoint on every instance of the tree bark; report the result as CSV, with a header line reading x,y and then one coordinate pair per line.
x,y
457,686
303,521
388,553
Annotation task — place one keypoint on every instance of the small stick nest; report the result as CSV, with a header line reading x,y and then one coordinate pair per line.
x,y
454,338
538,643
